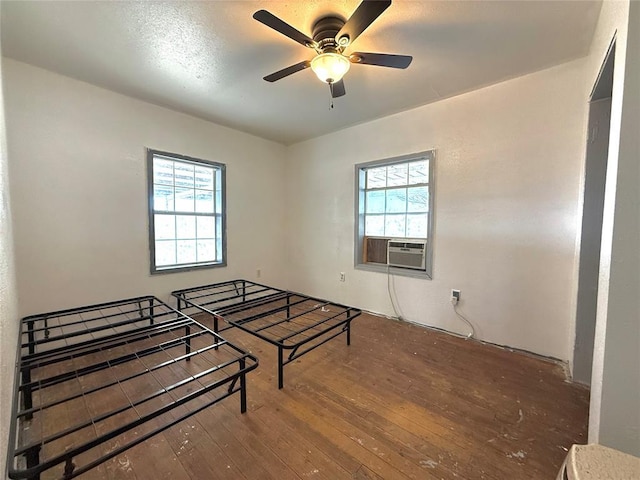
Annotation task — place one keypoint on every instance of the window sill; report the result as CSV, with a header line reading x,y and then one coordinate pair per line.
x,y
401,272
186,268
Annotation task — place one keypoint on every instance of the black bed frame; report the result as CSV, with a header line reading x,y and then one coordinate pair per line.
x,y
288,320
99,353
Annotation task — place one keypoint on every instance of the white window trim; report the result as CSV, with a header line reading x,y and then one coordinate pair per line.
x,y
359,217
154,270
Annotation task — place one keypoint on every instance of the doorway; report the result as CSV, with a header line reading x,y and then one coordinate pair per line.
x,y
591,233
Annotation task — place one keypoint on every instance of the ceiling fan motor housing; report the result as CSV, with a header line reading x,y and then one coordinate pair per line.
x,y
324,34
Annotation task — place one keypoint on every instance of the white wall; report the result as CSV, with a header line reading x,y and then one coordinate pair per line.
x,y
509,159
508,169
615,385
78,180
8,294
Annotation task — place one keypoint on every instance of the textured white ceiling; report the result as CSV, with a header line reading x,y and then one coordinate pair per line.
x,y
208,58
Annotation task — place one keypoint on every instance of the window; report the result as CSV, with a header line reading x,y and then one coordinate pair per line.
x,y
395,201
186,212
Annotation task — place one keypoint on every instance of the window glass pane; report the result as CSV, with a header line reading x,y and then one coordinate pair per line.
x,y
165,226
206,250
184,200
394,225
165,252
162,171
183,174
418,199
417,225
204,178
374,225
396,200
206,227
162,198
186,251
218,198
218,238
419,172
375,202
218,203
187,204
377,177
397,174
185,227
204,201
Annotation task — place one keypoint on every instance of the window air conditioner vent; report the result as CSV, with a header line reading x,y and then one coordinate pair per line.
x,y
406,253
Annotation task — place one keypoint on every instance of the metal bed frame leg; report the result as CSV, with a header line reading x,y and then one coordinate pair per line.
x,y
33,459
27,398
215,329
32,338
187,328
69,467
187,347
280,368
151,312
140,312
349,332
243,387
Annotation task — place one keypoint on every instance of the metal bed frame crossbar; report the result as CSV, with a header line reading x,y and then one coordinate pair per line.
x,y
80,324
291,321
128,366
227,295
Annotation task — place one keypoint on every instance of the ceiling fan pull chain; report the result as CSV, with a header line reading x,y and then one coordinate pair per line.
x,y
331,90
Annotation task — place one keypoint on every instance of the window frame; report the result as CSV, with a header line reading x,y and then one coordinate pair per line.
x,y
154,269
360,188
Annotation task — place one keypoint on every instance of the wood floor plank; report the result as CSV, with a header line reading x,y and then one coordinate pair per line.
x,y
260,451
299,452
401,402
387,459
364,473
418,449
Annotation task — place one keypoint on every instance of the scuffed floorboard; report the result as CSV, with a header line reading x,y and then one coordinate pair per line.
x,y
402,402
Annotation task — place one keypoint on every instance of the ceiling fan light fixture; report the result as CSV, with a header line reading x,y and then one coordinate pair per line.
x,y
330,67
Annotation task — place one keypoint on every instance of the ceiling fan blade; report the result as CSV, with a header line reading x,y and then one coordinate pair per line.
x,y
285,72
364,16
270,20
337,89
381,59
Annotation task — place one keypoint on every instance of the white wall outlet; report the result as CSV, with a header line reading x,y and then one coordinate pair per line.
x,y
342,277
455,296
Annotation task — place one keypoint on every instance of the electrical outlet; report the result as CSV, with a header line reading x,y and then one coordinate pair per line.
x,y
455,295
258,273
342,277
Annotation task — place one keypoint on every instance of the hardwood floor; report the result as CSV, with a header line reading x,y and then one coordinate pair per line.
x,y
402,402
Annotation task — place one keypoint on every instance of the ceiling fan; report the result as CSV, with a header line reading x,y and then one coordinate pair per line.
x,y
331,36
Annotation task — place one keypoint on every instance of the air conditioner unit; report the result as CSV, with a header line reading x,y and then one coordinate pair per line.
x,y
406,253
